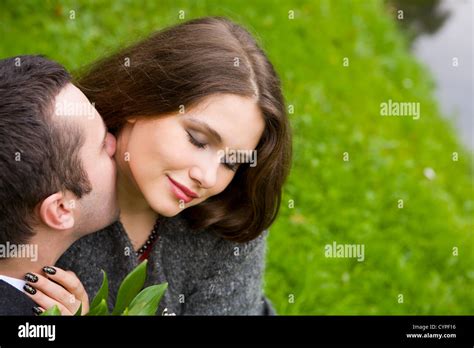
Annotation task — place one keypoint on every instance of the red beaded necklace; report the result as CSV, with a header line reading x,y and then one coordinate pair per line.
x,y
143,252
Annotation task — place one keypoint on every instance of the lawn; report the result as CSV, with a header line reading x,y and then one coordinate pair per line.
x,y
402,188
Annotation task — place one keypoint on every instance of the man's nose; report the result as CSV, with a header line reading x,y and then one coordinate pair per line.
x,y
112,145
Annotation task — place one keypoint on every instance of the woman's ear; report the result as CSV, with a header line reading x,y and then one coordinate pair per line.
x,y
131,120
56,212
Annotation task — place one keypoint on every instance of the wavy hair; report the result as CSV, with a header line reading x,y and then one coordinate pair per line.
x,y
182,65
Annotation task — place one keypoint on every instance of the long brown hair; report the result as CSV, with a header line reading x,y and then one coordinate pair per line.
x,y
182,65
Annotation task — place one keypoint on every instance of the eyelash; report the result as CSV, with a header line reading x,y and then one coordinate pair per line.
x,y
203,146
230,166
195,142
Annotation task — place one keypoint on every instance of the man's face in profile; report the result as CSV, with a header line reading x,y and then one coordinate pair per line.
x,y
99,208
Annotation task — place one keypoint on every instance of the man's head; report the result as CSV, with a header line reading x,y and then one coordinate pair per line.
x,y
57,171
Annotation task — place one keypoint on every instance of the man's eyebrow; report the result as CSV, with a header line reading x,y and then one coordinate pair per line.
x,y
208,128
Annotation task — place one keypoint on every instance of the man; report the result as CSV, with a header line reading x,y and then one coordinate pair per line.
x,y
57,183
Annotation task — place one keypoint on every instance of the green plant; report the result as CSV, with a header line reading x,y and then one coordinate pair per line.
x,y
130,300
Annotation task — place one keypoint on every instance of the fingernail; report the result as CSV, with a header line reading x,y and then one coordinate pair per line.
x,y
49,270
37,310
30,277
29,289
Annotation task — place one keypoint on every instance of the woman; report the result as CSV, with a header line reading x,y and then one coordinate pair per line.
x,y
184,104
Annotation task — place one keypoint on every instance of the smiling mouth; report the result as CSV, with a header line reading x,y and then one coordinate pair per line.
x,y
181,191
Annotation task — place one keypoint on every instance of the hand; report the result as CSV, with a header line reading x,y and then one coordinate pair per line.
x,y
57,287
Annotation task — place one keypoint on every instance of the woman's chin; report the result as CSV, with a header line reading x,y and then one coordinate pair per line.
x,y
168,210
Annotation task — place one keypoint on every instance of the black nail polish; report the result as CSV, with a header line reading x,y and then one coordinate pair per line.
x,y
49,270
29,289
37,310
30,277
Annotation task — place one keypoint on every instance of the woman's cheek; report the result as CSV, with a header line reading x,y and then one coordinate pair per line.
x,y
224,180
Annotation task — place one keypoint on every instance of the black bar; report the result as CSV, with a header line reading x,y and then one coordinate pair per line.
x,y
242,330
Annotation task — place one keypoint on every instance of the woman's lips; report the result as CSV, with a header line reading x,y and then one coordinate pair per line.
x,y
181,191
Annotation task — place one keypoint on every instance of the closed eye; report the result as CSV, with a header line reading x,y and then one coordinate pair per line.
x,y
192,140
196,143
230,166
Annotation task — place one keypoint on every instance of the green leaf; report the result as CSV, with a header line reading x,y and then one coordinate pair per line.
x,y
52,311
147,301
103,292
100,309
130,287
79,311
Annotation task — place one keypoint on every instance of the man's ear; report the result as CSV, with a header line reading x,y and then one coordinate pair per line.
x,y
57,212
131,120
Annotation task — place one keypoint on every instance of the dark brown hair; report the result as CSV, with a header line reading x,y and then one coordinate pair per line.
x,y
182,65
38,156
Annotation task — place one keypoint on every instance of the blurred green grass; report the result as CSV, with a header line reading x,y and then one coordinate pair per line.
x,y
408,251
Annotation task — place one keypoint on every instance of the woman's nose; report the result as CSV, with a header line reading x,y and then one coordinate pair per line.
x,y
206,175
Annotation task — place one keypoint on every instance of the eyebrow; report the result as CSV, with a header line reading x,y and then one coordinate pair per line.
x,y
208,128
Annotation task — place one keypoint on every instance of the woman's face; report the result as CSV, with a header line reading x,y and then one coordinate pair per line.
x,y
174,160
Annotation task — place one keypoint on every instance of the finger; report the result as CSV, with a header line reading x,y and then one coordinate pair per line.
x,y
38,310
53,290
70,282
66,279
43,300
83,296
